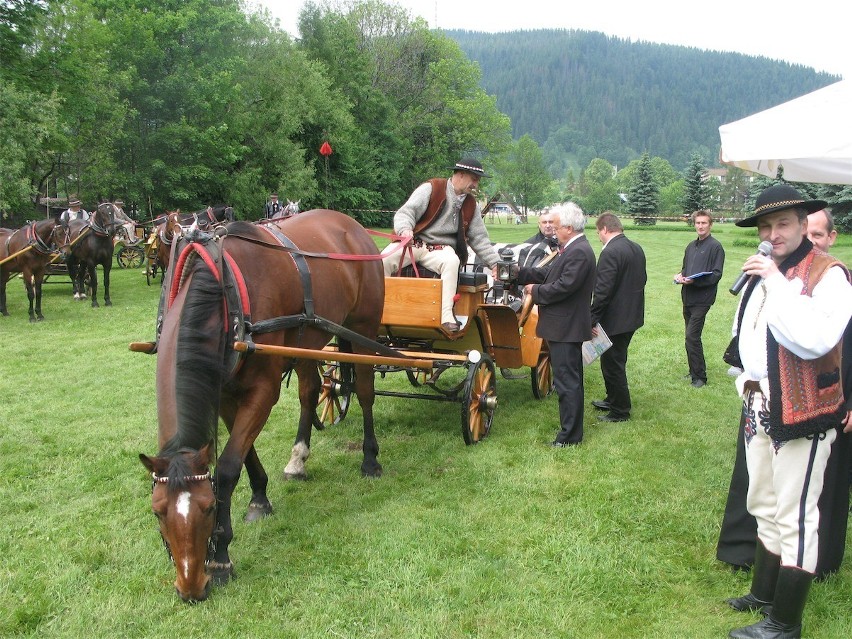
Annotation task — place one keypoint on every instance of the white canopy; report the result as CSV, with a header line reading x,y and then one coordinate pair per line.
x,y
811,137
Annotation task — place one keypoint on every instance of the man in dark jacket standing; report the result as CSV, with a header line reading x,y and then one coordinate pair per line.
x,y
702,269
619,307
563,292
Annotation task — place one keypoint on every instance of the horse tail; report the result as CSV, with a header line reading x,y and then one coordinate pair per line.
x,y
199,360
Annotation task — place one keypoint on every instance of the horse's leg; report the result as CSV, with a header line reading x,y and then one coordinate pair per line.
x,y
309,388
38,279
4,277
259,505
366,393
92,271
250,414
107,266
73,272
28,284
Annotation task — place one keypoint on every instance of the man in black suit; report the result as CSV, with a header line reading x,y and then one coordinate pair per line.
x,y
619,306
563,293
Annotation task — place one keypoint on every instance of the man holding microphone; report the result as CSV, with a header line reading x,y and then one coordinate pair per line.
x,y
789,323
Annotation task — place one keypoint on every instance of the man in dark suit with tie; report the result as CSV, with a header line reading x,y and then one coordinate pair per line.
x,y
619,307
563,293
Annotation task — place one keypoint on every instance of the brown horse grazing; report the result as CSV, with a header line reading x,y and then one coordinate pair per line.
x,y
283,277
87,244
33,245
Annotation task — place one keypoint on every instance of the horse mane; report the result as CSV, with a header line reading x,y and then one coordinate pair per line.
x,y
199,362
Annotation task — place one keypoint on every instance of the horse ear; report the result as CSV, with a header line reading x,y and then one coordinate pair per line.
x,y
156,465
205,454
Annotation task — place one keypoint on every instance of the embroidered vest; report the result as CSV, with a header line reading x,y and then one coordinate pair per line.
x,y
436,203
806,396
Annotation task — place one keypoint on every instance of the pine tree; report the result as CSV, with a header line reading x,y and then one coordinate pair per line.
x,y
644,195
695,196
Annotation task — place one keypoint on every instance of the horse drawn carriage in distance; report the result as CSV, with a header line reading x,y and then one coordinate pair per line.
x,y
244,305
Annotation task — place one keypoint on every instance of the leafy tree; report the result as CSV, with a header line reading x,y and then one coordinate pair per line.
x,y
643,197
671,198
524,175
600,192
695,192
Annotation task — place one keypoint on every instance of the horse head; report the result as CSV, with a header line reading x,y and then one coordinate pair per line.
x,y
183,500
292,207
103,221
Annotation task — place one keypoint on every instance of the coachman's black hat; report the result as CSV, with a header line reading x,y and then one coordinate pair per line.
x,y
779,198
471,166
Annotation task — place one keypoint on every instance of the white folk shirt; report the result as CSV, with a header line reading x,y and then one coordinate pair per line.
x,y
808,327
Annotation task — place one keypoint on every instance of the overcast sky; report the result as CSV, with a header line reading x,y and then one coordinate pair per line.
x,y
811,33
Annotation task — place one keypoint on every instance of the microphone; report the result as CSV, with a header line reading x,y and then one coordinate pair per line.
x,y
764,248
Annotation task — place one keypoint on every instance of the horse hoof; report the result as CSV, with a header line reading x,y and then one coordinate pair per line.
x,y
258,511
33,320
221,574
295,476
372,471
95,304
107,303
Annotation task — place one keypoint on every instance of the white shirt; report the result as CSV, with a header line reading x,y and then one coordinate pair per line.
x,y
809,327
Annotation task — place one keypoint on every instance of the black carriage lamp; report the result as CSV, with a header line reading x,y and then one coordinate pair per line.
x,y
504,266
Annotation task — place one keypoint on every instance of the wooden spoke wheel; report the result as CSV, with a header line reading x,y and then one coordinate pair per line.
x,y
542,375
335,393
130,256
478,400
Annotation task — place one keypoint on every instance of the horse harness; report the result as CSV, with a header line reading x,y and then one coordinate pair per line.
x,y
239,325
33,239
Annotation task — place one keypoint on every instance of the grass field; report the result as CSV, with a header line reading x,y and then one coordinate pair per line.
x,y
505,539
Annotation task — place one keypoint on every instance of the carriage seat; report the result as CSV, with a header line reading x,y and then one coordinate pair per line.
x,y
476,280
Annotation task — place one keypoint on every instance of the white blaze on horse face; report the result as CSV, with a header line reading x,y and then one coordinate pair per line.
x,y
182,504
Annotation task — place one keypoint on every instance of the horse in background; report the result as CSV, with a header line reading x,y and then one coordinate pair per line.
x,y
290,210
34,247
285,282
87,244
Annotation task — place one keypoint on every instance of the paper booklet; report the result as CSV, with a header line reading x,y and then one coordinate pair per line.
x,y
595,347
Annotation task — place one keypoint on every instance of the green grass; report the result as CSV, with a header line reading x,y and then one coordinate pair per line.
x,y
505,539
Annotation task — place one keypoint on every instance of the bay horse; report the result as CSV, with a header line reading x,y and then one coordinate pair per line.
x,y
33,245
88,244
279,273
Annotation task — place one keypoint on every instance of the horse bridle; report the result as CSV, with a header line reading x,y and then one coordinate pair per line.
x,y
211,540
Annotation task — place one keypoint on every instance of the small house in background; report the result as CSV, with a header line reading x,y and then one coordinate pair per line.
x,y
500,205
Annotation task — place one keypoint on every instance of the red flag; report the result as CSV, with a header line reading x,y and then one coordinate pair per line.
x,y
325,149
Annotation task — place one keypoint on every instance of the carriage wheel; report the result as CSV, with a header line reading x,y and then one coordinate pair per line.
x,y
542,375
480,399
151,271
130,256
336,392
418,376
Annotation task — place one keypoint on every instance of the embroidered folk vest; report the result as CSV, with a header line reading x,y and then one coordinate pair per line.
x,y
805,396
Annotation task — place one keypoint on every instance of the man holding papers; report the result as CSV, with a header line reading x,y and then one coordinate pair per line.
x,y
702,269
619,307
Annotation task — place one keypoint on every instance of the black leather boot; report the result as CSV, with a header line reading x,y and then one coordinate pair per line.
x,y
785,620
763,580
